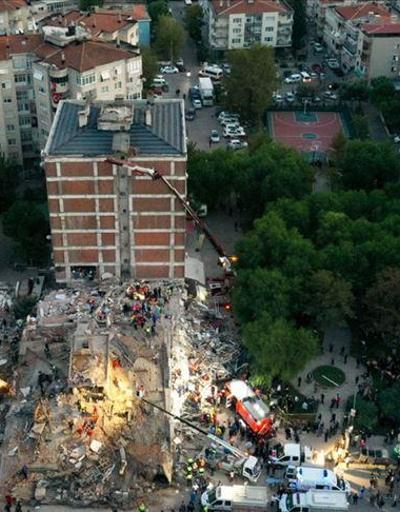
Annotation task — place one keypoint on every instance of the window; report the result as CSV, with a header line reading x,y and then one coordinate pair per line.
x,y
268,39
118,85
7,100
20,78
6,84
19,62
26,136
10,127
12,142
237,20
44,132
105,75
134,96
269,29
236,41
42,89
237,30
104,88
86,79
24,121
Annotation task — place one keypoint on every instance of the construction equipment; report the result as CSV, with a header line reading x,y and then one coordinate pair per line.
x,y
224,260
241,463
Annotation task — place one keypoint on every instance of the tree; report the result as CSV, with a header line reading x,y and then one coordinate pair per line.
x,y
381,307
299,23
156,9
357,90
361,129
150,66
368,164
194,21
27,224
367,414
23,307
267,291
10,172
382,91
277,348
389,402
170,37
328,298
251,83
338,145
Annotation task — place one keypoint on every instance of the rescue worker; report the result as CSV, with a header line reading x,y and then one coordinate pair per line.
x,y
189,478
142,508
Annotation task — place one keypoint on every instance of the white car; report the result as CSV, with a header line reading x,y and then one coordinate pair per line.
x,y
329,95
169,70
290,97
227,115
234,132
277,98
237,144
396,139
214,136
197,104
293,78
229,120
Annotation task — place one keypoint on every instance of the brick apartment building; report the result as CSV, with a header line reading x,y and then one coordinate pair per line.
x,y
103,217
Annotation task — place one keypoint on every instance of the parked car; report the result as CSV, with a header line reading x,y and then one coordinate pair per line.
x,y
333,63
234,131
290,97
278,99
226,68
169,70
229,121
237,144
227,115
190,115
396,139
317,68
329,95
196,103
214,136
194,93
318,48
179,62
293,78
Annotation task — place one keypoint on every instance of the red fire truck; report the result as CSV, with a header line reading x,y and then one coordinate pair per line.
x,y
250,408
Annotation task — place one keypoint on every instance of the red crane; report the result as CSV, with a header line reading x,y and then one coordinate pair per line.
x,y
224,260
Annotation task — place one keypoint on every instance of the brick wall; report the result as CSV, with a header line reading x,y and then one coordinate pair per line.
x,y
83,199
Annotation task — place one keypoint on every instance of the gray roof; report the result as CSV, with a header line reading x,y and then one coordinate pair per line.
x,y
166,135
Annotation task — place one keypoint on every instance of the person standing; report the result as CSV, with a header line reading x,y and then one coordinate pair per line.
x,y
322,398
298,381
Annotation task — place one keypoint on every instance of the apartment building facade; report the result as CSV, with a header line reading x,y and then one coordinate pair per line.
x,y
16,17
36,74
316,12
234,24
364,37
106,217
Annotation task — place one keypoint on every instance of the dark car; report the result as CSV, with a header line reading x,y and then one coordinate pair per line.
x,y
317,68
194,93
338,72
190,115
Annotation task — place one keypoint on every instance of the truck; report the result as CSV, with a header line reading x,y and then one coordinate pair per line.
x,y
314,501
206,91
236,498
250,407
293,455
226,457
306,478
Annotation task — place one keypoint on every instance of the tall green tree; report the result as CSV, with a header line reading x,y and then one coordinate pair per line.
x,y
27,224
328,298
150,66
299,23
10,172
194,21
368,164
156,9
277,348
170,37
389,402
251,83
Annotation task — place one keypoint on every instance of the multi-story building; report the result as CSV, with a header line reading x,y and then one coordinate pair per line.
x,y
379,51
365,38
37,71
43,8
103,216
15,17
316,11
236,24
107,26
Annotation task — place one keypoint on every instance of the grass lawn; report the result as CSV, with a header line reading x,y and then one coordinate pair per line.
x,y
329,375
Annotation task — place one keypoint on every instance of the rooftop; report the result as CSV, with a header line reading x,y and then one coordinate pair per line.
x,y
365,9
249,7
96,23
381,28
165,135
11,45
140,13
12,5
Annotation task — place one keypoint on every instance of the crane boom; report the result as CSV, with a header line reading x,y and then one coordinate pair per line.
x,y
155,175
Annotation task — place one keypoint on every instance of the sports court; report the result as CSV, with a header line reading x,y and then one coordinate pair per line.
x,y
310,132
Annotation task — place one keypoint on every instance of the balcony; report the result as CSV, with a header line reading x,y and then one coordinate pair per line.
x,y
350,47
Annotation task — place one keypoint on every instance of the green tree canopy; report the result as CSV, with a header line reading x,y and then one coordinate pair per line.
x,y
27,224
278,348
251,83
299,23
150,66
156,9
368,164
170,37
389,402
194,21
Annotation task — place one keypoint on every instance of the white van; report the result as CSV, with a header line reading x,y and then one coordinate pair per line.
x,y
231,498
305,77
314,501
304,479
213,72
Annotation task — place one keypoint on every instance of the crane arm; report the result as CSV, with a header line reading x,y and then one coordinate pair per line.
x,y
145,171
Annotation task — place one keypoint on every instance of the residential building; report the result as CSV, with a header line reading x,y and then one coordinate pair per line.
x,y
316,11
107,26
365,38
236,24
141,15
103,216
379,51
37,71
43,8
15,17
